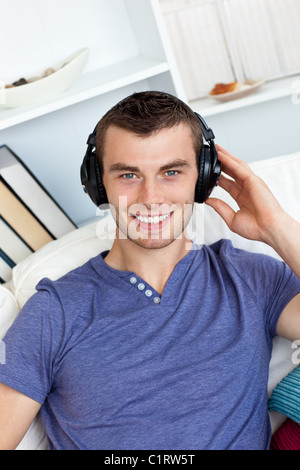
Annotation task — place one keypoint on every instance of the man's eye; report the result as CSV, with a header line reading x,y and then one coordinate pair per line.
x,y
128,176
171,173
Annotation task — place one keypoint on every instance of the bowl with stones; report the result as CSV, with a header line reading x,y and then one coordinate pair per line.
x,y
44,85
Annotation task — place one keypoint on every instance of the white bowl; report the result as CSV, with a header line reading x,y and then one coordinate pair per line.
x,y
46,87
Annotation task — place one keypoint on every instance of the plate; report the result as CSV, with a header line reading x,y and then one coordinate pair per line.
x,y
66,72
244,90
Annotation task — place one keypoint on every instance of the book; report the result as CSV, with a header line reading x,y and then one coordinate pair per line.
x,y
5,270
21,220
12,244
33,194
6,265
7,259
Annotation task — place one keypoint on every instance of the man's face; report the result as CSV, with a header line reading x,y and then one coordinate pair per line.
x,y
150,182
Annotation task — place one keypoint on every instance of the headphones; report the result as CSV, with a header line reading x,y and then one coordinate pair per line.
x,y
209,168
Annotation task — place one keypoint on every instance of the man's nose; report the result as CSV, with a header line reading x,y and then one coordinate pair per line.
x,y
152,192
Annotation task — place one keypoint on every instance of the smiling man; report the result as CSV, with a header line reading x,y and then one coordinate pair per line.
x,y
157,191
157,343
151,184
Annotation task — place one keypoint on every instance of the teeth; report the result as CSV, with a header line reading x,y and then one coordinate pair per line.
x,y
152,220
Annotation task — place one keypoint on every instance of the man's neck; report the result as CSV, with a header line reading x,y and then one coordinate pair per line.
x,y
153,265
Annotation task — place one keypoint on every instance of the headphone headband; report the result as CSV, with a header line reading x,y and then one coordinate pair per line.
x,y
206,131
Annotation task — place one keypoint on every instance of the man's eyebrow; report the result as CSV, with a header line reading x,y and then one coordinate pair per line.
x,y
122,167
179,162
134,169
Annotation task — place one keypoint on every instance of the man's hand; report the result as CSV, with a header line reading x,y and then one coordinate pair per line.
x,y
260,217
259,211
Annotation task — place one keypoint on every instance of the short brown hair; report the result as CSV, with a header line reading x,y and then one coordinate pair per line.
x,y
144,114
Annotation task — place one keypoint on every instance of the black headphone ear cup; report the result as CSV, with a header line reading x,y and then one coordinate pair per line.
x,y
101,193
91,179
204,165
198,188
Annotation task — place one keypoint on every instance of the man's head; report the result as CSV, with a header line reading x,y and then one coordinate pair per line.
x,y
147,113
147,146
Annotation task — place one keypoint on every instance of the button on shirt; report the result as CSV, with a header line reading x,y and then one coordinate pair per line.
x,y
115,369
141,286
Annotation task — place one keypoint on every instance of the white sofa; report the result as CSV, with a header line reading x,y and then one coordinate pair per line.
x,y
282,174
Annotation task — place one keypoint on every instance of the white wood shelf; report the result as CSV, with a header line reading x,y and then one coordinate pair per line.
x,y
89,85
269,91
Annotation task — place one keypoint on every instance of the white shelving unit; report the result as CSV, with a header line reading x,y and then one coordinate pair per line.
x,y
88,86
132,47
140,50
282,88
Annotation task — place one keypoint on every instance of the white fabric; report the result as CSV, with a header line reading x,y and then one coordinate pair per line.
x,y
8,309
282,175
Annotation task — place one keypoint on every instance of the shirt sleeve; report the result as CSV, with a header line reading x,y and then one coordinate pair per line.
x,y
271,281
31,345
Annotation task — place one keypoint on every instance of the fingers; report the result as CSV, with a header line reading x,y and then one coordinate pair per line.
x,y
233,166
223,209
231,186
226,152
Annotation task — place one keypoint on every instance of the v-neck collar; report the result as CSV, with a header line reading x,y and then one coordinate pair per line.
x,y
144,290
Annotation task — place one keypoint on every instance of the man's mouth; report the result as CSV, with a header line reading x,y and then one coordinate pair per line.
x,y
153,221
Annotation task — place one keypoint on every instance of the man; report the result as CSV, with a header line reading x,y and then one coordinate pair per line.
x,y
158,343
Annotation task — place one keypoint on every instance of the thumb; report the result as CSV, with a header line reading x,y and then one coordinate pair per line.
x,y
222,208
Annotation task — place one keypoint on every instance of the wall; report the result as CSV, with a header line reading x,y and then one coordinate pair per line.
x,y
262,131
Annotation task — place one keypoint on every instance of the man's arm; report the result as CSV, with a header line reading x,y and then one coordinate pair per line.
x,y
285,241
260,217
17,411
285,238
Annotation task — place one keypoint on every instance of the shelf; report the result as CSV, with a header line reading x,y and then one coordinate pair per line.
x,y
89,85
269,91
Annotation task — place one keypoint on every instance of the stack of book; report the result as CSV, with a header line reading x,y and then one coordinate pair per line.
x,y
29,216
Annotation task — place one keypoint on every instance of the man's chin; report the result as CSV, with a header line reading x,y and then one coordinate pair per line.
x,y
152,244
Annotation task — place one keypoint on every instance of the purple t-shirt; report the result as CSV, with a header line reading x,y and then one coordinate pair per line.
x,y
117,366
